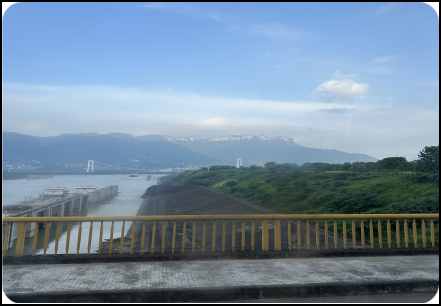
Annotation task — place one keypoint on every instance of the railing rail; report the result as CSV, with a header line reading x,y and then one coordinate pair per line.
x,y
224,217
282,226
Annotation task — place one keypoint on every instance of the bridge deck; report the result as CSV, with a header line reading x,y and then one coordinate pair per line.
x,y
220,279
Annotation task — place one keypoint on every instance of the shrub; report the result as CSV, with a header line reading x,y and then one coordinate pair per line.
x,y
427,178
230,184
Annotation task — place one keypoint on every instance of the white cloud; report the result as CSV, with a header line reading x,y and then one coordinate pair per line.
x,y
383,59
215,122
276,31
337,75
336,110
374,129
341,90
387,8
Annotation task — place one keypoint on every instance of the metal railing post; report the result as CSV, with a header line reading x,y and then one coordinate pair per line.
x,y
265,240
20,239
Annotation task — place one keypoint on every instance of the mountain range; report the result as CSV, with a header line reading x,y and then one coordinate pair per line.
x,y
160,151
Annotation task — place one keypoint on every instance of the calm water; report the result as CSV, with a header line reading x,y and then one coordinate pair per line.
x,y
126,203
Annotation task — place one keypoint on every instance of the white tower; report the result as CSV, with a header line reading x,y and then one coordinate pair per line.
x,y
239,162
90,166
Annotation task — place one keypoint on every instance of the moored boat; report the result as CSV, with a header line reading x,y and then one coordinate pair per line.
x,y
85,189
55,192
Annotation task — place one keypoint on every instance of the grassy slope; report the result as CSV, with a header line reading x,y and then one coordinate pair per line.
x,y
327,192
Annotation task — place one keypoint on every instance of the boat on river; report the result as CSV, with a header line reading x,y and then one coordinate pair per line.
x,y
133,175
148,177
55,192
85,189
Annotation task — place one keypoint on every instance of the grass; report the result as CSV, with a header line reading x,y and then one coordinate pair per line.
x,y
331,192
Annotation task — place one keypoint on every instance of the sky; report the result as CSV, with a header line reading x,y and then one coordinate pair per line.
x,y
355,77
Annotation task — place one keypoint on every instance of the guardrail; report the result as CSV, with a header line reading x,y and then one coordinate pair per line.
x,y
321,222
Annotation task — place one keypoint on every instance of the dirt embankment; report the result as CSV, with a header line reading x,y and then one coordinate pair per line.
x,y
169,199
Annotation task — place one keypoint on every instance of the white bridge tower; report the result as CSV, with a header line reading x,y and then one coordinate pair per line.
x,y
90,166
239,162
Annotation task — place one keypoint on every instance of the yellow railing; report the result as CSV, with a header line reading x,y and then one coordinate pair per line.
x,y
321,224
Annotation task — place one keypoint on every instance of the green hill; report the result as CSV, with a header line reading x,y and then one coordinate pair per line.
x,y
329,192
291,189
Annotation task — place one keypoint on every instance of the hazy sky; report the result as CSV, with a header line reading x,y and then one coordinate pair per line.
x,y
357,77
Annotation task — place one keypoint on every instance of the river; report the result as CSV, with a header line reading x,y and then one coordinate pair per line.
x,y
126,203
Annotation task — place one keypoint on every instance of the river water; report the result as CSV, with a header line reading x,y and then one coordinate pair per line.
x,y
126,203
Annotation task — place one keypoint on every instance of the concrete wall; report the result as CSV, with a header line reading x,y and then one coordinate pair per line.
x,y
94,197
113,190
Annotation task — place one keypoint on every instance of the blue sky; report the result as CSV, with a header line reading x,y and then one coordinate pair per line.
x,y
358,77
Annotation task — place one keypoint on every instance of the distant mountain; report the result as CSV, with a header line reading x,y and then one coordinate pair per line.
x,y
167,151
115,149
261,149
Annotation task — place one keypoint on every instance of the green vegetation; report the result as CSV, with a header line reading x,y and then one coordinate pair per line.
x,y
302,192
389,186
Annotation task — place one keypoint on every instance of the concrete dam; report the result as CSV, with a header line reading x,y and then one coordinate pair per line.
x,y
53,207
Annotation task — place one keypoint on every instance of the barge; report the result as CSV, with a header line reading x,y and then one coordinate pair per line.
x,y
55,192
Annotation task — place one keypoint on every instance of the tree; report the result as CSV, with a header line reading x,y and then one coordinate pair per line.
x,y
428,159
270,164
370,166
286,166
358,166
392,163
346,166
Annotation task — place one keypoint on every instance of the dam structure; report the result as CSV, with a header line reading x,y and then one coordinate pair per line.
x,y
52,207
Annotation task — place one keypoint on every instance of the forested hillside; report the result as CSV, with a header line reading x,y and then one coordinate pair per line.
x,y
308,191
389,186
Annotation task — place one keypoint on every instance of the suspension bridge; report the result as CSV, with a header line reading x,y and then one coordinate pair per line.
x,y
94,166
